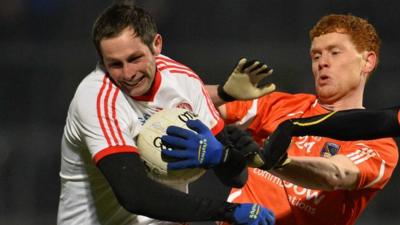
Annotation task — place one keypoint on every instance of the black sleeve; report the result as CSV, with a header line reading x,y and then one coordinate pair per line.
x,y
140,195
355,124
233,172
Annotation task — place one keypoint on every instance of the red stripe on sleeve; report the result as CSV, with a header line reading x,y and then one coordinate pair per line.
x,y
114,114
113,150
210,105
99,116
218,127
106,113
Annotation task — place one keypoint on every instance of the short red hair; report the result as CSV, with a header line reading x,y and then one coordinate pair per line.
x,y
362,33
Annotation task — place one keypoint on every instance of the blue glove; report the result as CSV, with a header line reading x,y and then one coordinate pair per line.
x,y
192,149
253,214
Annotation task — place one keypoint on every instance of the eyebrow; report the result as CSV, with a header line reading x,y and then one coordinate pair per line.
x,y
133,55
329,47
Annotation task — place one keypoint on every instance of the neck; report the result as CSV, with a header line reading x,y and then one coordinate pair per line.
x,y
349,101
338,106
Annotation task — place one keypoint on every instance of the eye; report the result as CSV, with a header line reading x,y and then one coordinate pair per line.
x,y
335,51
316,56
134,59
114,65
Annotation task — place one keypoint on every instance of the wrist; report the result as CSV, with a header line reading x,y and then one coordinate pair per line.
x,y
224,95
227,212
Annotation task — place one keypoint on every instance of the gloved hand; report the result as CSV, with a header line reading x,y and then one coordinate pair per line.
x,y
275,148
253,214
242,84
244,143
192,149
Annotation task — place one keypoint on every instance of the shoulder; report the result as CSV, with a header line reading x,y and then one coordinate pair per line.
x,y
95,92
288,97
170,67
287,102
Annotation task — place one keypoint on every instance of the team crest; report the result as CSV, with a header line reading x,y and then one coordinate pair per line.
x,y
330,149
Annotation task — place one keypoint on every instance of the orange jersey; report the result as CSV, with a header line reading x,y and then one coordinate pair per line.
x,y
293,204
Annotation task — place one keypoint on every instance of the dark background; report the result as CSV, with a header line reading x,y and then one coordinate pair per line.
x,y
45,50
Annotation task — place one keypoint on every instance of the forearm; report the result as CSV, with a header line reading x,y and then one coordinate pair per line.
x,y
213,92
140,195
351,124
320,173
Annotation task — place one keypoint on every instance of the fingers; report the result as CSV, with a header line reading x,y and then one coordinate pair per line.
x,y
234,132
180,132
184,164
267,88
255,67
174,142
177,153
197,126
241,63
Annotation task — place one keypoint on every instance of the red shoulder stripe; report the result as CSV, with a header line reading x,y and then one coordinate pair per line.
x,y
99,116
114,115
106,113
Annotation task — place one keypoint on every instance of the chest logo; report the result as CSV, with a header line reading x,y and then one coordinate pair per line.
x,y
330,149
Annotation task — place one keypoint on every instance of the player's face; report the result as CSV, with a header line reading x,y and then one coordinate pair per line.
x,y
338,67
130,62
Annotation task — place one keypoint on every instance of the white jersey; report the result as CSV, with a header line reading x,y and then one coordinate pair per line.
x,y
102,120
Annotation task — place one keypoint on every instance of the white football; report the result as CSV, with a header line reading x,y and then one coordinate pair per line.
x,y
149,145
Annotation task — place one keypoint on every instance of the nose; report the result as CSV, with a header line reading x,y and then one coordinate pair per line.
x,y
323,61
128,72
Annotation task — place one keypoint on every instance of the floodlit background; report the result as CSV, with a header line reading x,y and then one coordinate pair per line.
x,y
46,49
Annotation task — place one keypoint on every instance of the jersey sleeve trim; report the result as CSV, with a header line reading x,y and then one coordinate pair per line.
x,y
218,127
250,115
112,150
106,113
363,154
380,175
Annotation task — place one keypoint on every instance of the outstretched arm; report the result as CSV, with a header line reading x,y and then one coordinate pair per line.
x,y
140,195
355,124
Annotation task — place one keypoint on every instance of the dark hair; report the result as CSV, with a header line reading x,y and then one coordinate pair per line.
x,y
118,17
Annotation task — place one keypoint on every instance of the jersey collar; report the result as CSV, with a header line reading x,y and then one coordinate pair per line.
x,y
149,95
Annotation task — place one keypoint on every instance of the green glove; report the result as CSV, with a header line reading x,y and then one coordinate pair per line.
x,y
243,83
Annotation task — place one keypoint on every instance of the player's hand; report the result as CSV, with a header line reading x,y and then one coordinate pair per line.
x,y
245,144
197,148
253,214
275,148
243,83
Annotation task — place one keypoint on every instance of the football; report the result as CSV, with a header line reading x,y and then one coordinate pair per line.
x,y
149,145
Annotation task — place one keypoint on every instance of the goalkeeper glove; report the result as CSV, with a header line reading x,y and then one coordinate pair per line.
x,y
243,83
245,144
192,149
253,214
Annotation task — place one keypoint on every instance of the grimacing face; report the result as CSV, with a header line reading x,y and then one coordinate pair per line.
x,y
130,62
338,68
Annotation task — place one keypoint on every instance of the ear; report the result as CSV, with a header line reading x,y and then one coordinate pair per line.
x,y
157,44
370,60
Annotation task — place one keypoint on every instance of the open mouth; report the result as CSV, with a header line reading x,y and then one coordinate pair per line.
x,y
323,79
